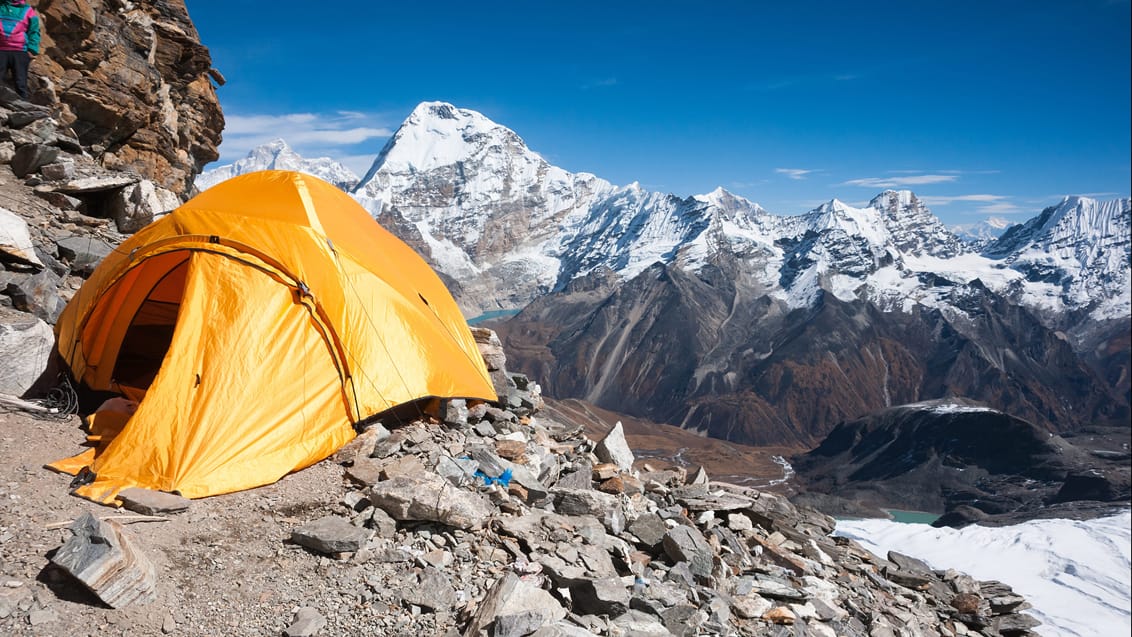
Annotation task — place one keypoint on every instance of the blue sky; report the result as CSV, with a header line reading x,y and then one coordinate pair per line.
x,y
987,108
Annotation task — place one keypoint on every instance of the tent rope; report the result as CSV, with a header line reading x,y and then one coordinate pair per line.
x,y
60,403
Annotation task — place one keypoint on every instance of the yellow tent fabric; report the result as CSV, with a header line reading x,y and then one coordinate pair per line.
x,y
256,324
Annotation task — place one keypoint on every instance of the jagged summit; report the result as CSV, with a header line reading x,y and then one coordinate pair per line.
x,y
1075,221
1074,255
493,215
438,134
893,198
278,155
727,200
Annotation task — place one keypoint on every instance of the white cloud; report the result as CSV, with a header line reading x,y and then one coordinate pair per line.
x,y
602,83
895,182
311,135
794,173
1001,208
943,201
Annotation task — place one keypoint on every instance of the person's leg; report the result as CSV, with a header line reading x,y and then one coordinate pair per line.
x,y
21,60
5,64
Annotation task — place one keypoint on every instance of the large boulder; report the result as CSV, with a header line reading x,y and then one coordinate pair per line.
x,y
25,347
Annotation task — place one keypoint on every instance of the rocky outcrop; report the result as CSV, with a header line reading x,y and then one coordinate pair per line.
x,y
122,116
965,461
132,84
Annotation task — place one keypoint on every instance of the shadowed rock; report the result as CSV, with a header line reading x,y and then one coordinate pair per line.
x,y
102,556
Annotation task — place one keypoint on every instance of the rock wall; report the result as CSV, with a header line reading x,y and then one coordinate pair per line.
x,y
133,83
121,117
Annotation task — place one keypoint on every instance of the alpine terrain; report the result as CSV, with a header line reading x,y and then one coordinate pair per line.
x,y
510,516
713,314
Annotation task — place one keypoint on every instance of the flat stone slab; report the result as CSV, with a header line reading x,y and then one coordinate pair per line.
x,y
149,502
330,534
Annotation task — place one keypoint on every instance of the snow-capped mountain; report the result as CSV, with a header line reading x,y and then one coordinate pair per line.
x,y
277,155
984,232
509,227
1074,255
710,312
506,225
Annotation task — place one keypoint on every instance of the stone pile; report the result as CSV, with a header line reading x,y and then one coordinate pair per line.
x,y
505,523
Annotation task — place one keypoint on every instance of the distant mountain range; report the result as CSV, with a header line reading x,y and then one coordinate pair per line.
x,y
711,313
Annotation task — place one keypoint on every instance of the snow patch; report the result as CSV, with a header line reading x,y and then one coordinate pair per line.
x,y
1076,574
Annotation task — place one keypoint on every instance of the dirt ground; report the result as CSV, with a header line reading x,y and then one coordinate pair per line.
x,y
224,567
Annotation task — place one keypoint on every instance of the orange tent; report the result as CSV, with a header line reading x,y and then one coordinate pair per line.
x,y
255,325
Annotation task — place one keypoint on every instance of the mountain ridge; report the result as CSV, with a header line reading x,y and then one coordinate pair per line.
x,y
490,212
711,313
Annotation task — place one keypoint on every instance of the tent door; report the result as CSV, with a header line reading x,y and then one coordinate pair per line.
x,y
149,334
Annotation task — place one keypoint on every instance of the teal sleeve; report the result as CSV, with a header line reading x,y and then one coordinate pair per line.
x,y
33,35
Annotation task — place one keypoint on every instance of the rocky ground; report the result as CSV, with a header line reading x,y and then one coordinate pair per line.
x,y
400,534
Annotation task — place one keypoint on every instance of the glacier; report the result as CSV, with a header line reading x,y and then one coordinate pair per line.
x,y
1076,574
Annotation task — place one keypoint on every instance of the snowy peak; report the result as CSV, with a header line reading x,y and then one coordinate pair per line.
x,y
1076,221
895,219
731,205
836,215
981,234
1077,251
277,155
438,134
913,228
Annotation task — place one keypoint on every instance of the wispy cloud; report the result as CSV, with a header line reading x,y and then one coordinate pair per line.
x,y
794,173
602,83
943,201
311,135
995,204
894,182
1001,208
805,80
946,171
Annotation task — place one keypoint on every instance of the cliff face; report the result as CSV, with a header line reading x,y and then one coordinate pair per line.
x,y
132,81
712,354
121,116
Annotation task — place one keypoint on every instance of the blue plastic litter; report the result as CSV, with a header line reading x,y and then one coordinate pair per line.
x,y
504,480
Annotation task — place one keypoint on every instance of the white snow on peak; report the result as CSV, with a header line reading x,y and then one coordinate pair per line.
x,y
1075,574
982,232
277,155
437,134
731,203
903,198
1073,256
861,222
506,223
